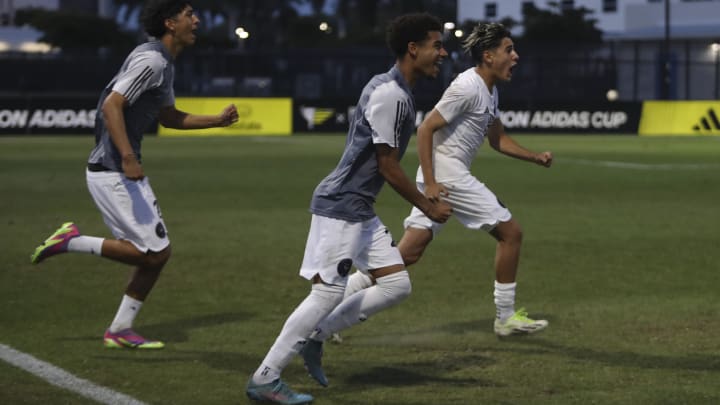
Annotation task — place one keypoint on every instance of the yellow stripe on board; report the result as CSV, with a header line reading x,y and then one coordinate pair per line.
x,y
256,116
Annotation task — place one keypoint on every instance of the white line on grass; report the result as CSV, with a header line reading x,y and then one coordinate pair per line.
x,y
61,378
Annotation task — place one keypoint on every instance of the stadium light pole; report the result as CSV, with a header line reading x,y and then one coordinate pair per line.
x,y
447,28
242,36
715,47
665,90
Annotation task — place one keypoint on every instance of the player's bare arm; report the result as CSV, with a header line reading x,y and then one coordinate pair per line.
x,y
114,116
504,144
432,122
171,117
389,167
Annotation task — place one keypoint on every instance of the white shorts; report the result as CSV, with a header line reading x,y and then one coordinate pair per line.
x,y
474,205
130,209
334,246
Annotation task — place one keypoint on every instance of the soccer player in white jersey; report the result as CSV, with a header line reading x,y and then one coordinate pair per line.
x,y
141,92
344,229
448,140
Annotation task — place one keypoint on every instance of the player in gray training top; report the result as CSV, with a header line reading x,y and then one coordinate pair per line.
x,y
385,114
139,94
344,229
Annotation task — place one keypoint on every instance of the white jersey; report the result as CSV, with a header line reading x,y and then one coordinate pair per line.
x,y
469,108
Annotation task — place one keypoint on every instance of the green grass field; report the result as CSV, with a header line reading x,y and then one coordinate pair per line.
x,y
621,254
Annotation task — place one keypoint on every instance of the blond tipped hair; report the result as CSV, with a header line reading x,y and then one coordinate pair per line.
x,y
485,36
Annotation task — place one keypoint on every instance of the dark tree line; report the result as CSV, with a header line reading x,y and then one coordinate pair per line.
x,y
276,24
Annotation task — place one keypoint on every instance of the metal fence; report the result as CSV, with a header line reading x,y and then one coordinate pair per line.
x,y
555,72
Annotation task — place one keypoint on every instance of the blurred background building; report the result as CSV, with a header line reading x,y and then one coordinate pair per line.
x,y
571,50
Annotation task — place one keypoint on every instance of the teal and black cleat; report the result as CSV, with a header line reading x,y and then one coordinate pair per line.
x,y
312,354
277,392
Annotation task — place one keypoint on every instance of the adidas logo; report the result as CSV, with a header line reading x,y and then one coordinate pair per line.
x,y
316,116
709,122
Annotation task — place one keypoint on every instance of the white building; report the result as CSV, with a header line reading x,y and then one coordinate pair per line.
x,y
634,19
636,31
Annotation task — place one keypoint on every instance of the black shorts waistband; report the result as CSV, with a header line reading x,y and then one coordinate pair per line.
x,y
97,167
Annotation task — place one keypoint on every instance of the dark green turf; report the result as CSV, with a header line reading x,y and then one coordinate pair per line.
x,y
621,254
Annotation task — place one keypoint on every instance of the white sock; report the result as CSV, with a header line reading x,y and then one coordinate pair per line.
x,y
388,291
504,300
299,325
86,244
356,282
129,308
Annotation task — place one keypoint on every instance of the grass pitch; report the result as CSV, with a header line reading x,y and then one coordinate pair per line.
x,y
620,255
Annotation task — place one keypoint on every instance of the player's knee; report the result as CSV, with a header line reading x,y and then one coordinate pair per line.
x,y
516,234
413,244
395,286
508,232
410,258
157,260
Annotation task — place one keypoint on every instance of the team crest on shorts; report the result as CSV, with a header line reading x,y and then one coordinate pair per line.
x,y
344,267
160,230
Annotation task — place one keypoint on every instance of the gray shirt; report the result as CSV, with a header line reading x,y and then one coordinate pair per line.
x,y
146,81
385,114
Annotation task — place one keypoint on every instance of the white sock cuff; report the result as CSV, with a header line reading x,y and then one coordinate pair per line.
x,y
505,286
128,300
128,310
86,244
396,284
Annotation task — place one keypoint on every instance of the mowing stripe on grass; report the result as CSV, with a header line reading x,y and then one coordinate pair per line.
x,y
642,166
61,378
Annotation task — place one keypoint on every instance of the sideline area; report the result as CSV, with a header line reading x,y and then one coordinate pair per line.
x,y
61,378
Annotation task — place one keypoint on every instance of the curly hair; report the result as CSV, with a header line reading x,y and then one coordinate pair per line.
x,y
155,12
484,36
410,28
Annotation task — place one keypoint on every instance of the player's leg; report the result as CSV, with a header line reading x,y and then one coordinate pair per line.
x,y
413,243
507,252
507,255
327,261
293,337
419,232
358,281
392,285
65,239
131,211
119,201
477,207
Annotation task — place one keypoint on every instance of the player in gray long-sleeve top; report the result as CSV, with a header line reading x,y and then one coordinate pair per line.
x,y
140,93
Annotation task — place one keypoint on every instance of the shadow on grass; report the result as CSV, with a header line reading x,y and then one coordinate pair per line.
x,y
536,345
413,374
697,362
176,331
